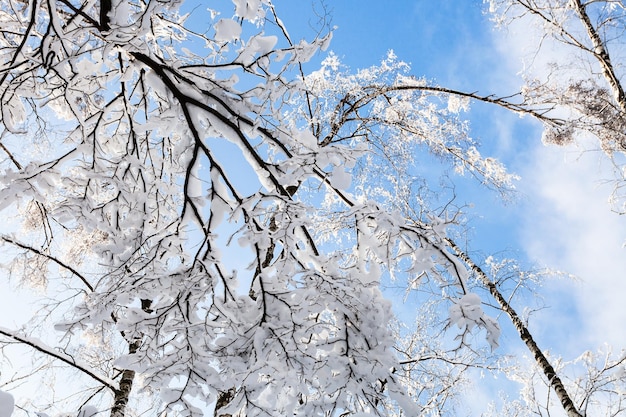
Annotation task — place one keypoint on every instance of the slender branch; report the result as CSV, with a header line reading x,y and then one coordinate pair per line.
x,y
185,99
49,257
520,108
15,161
39,346
81,12
443,359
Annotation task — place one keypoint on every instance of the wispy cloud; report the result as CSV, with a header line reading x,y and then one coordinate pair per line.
x,y
573,228
566,221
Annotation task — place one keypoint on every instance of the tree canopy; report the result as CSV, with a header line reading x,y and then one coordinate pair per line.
x,y
209,222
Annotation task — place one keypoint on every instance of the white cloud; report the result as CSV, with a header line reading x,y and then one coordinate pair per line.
x,y
567,222
572,228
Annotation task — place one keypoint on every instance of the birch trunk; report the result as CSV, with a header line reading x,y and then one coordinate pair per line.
x,y
545,366
122,394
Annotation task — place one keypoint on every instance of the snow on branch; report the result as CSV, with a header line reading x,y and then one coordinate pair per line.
x,y
41,347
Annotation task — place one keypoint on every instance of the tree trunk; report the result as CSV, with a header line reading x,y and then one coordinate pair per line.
x,y
547,369
601,55
122,394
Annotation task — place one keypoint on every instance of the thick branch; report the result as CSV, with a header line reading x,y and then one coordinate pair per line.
x,y
547,369
18,50
4,148
602,55
105,8
122,394
81,12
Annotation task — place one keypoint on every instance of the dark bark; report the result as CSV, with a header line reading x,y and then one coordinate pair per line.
x,y
224,398
105,8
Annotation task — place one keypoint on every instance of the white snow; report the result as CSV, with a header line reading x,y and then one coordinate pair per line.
x,y
88,411
7,402
340,179
227,30
13,114
247,9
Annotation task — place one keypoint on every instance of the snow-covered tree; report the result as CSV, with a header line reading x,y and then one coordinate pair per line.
x,y
582,85
209,225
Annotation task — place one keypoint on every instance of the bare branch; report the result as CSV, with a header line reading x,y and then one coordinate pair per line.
x,y
40,347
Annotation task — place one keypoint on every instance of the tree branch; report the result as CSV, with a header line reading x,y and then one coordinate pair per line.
x,y
39,346
49,257
601,55
105,8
